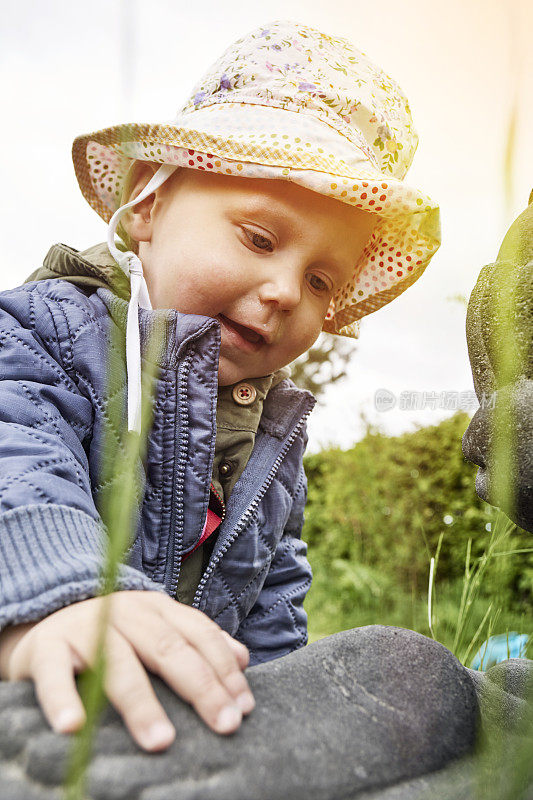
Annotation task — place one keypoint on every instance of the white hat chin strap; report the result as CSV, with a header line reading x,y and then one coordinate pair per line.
x,y
132,266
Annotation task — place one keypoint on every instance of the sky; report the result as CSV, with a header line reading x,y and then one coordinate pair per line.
x,y
72,68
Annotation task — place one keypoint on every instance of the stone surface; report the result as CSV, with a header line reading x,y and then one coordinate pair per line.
x,y
489,333
377,712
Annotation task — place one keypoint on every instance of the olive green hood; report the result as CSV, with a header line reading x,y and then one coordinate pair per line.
x,y
89,269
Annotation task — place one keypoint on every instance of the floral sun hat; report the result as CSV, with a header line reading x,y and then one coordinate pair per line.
x,y
288,101
285,101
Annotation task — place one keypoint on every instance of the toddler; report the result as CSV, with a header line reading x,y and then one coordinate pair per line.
x,y
272,207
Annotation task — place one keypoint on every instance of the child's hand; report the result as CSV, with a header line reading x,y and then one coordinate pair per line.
x,y
202,663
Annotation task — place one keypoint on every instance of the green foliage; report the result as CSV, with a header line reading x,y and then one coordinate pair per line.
x,y
374,517
322,364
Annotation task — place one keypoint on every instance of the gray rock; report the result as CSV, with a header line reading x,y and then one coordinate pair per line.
x,y
361,709
375,713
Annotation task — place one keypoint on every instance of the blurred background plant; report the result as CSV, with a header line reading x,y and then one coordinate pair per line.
x,y
374,516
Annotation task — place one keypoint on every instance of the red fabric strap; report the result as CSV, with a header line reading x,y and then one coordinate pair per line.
x,y
215,514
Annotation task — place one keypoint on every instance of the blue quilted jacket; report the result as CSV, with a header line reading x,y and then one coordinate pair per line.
x,y
54,401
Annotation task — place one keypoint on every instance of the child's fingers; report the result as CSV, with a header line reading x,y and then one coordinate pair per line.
x,y
168,654
52,665
129,690
209,640
190,652
52,671
226,657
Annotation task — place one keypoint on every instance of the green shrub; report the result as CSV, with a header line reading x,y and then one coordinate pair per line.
x,y
373,519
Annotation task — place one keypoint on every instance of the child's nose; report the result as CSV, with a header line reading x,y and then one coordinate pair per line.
x,y
282,286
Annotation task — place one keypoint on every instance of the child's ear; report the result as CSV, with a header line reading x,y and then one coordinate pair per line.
x,y
137,220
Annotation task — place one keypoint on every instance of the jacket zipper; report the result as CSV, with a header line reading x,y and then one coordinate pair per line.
x,y
179,472
251,508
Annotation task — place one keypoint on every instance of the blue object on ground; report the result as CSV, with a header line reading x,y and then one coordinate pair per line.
x,y
500,648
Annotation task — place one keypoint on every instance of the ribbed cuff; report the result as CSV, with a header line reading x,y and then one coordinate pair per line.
x,y
52,556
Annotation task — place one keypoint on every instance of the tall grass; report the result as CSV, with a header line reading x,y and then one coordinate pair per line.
x,y
465,644
120,463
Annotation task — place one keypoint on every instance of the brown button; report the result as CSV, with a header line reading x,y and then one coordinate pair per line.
x,y
226,469
244,394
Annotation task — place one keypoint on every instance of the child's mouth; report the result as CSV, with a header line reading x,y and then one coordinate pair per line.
x,y
240,335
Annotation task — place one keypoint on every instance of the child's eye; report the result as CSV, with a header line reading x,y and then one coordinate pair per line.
x,y
318,284
262,239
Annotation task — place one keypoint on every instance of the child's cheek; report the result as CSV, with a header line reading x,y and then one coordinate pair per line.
x,y
311,333
224,282
209,291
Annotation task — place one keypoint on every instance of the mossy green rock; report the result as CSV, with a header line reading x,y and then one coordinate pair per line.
x,y
499,330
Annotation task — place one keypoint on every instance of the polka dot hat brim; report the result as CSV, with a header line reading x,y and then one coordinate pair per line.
x,y
291,103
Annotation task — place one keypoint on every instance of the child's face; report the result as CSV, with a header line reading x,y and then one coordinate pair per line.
x,y
264,257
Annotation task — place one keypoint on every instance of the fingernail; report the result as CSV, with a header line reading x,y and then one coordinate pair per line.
x,y
160,734
246,702
66,721
228,719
